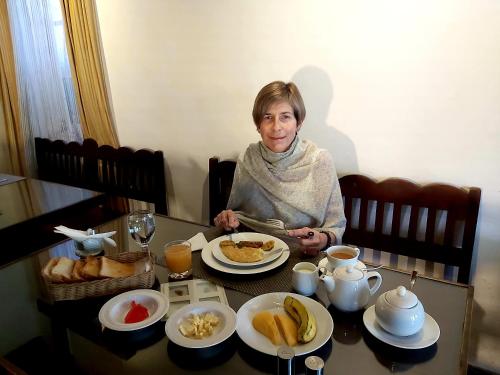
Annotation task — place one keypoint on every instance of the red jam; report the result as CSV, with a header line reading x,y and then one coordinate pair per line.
x,y
137,313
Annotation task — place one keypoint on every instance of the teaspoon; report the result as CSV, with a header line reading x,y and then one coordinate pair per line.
x,y
413,279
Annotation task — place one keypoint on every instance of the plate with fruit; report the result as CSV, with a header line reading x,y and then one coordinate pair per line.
x,y
270,320
133,310
201,324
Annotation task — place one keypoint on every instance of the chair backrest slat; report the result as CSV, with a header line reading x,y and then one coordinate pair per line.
x,y
431,225
396,220
379,216
412,228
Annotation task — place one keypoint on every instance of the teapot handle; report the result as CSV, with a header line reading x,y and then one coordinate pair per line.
x,y
374,288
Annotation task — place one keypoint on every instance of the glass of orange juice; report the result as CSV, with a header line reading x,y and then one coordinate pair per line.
x,y
178,259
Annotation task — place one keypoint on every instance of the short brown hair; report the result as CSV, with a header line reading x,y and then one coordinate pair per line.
x,y
278,91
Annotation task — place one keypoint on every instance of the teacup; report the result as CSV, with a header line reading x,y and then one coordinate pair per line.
x,y
342,256
305,278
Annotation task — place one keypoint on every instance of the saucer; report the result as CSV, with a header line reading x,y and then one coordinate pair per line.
x,y
324,263
427,336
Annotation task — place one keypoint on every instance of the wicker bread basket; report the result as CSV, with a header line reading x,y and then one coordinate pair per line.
x,y
79,290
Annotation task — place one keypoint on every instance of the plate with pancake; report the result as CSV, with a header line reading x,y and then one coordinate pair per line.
x,y
213,256
274,304
248,249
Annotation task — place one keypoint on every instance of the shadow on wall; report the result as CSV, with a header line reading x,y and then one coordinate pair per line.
x,y
317,91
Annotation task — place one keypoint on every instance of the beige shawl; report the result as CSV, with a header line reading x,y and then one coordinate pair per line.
x,y
298,186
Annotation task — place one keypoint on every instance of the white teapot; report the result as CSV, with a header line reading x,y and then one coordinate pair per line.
x,y
399,312
348,288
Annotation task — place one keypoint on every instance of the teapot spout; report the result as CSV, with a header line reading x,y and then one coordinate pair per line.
x,y
329,282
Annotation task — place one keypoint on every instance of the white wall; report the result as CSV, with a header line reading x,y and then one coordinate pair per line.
x,y
392,88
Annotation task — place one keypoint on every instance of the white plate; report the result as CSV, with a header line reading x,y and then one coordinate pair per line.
x,y
112,313
271,301
324,263
427,336
209,259
248,236
225,328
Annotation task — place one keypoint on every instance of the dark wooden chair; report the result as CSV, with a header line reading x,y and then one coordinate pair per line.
x,y
133,174
69,164
435,222
220,181
137,175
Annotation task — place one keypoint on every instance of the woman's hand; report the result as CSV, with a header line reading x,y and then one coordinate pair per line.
x,y
227,219
311,241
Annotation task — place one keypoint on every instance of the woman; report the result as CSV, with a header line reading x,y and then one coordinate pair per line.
x,y
284,177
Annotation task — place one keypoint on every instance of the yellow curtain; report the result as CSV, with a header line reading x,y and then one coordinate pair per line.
x,y
81,25
9,98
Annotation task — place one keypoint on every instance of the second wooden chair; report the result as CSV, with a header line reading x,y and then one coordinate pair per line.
x,y
124,172
434,222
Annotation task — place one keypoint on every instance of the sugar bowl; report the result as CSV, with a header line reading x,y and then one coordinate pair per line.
x,y
399,312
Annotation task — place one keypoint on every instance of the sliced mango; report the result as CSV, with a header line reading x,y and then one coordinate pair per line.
x,y
288,328
264,323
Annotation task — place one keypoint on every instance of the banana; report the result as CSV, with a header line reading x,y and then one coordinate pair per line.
x,y
304,318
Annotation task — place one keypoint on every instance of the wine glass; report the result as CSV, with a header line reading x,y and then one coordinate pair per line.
x,y
141,226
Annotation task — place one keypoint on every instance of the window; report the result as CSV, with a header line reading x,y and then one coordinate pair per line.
x,y
47,98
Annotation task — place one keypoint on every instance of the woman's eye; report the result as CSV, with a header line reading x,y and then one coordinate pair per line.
x,y
285,117
268,117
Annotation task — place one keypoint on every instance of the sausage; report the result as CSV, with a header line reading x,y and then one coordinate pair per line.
x,y
256,244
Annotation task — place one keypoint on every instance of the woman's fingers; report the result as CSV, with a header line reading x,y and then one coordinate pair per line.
x,y
309,240
227,219
306,236
233,220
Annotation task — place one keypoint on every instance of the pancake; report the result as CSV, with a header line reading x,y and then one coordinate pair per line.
x,y
243,254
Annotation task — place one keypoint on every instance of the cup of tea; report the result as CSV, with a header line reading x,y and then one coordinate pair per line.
x,y
178,259
305,278
341,256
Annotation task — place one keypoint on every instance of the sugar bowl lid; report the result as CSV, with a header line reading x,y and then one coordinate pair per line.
x,y
401,298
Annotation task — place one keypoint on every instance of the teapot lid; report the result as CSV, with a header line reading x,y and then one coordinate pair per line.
x,y
348,273
402,298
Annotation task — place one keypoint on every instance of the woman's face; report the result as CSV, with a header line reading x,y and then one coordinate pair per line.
x,y
278,127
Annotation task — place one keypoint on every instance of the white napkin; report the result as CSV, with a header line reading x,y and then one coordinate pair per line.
x,y
80,235
198,242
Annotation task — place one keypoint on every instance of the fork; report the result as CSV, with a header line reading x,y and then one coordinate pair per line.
x,y
281,225
235,231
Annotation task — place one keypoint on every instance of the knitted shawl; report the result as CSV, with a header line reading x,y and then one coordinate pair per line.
x,y
298,186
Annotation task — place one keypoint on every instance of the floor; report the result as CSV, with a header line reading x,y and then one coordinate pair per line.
x,y
37,356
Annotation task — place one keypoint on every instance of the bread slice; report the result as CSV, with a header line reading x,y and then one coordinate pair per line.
x,y
112,268
61,272
90,270
288,328
264,322
77,274
46,271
